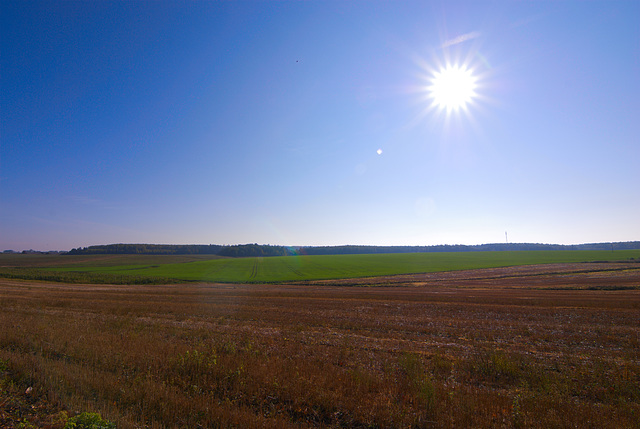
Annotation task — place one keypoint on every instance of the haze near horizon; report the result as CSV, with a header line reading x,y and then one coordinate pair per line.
x,y
318,123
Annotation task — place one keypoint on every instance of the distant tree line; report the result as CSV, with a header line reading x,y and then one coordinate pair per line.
x,y
148,249
235,251
246,250
346,250
242,250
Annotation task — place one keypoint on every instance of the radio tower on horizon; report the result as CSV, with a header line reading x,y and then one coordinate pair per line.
x,y
506,238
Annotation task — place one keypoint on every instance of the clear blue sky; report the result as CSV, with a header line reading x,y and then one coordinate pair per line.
x,y
310,123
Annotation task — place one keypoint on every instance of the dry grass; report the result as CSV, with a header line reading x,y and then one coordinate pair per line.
x,y
519,347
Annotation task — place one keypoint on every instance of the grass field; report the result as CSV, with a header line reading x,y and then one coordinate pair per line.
x,y
165,269
535,346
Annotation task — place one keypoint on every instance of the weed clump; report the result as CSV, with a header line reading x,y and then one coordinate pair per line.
x,y
415,383
89,421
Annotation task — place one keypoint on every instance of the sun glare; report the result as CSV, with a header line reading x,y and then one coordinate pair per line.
x,y
452,87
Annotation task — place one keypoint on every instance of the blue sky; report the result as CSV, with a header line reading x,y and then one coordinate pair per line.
x,y
310,123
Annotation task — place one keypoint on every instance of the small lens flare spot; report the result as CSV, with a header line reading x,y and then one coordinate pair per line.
x,y
379,151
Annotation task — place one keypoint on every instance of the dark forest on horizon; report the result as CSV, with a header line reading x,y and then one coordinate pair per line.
x,y
253,250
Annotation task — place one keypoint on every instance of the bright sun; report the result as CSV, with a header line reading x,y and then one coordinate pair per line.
x,y
452,87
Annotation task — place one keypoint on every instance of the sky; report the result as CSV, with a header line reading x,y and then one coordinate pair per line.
x,y
314,123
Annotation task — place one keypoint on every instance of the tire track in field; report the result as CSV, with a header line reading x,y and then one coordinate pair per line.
x,y
295,270
254,268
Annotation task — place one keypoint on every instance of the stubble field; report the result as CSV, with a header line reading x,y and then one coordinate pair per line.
x,y
533,346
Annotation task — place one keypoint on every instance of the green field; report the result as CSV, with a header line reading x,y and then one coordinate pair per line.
x,y
305,268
